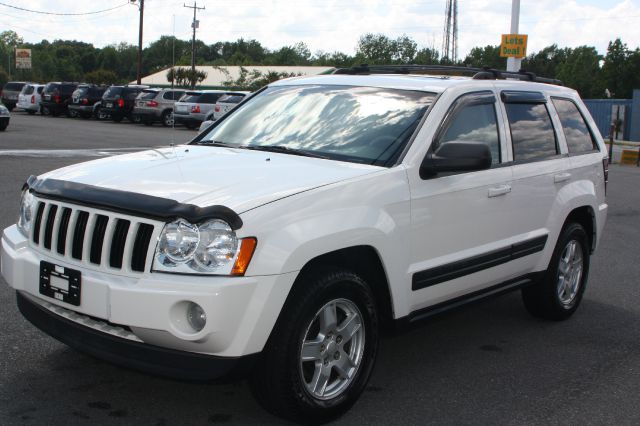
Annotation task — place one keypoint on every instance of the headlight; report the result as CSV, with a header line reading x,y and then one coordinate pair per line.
x,y
25,219
211,247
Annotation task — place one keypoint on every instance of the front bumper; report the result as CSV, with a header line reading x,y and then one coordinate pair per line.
x,y
148,358
240,311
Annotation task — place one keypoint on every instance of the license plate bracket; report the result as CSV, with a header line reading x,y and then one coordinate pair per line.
x,y
60,283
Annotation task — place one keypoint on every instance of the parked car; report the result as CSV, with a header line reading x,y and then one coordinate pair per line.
x,y
10,92
157,105
193,107
29,97
56,97
324,209
119,101
5,116
224,105
84,99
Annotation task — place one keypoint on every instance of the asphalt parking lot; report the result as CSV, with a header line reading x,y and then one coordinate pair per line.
x,y
486,364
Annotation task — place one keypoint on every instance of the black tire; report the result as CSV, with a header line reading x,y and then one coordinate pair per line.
x,y
167,118
117,118
30,112
545,298
10,107
44,110
85,115
3,127
190,125
54,113
279,382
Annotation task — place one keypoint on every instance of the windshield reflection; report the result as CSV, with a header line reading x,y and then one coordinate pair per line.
x,y
360,124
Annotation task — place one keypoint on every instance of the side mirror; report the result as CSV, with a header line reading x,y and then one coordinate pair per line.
x,y
457,156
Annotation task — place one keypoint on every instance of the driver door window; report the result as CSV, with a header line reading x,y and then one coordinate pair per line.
x,y
474,123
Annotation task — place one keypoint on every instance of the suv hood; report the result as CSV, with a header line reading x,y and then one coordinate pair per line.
x,y
236,178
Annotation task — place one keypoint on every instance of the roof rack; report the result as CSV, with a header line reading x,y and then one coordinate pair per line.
x,y
478,73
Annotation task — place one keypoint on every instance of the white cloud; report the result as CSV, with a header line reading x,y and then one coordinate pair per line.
x,y
333,24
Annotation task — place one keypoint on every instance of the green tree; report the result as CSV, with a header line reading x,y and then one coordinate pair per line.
x,y
488,56
546,62
101,76
615,70
581,71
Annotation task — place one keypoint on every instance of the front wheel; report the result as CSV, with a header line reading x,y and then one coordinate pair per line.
x,y
322,350
558,294
167,119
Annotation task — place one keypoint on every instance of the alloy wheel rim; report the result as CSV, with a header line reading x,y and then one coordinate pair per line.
x,y
570,270
168,119
332,349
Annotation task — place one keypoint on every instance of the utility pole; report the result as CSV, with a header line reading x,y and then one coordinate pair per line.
x,y
194,25
141,9
513,64
140,42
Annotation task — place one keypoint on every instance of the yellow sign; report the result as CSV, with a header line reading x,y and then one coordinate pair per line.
x,y
513,46
629,157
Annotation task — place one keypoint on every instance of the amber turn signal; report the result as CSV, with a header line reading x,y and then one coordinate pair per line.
x,y
247,247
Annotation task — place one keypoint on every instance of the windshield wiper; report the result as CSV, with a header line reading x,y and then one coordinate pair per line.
x,y
219,143
283,150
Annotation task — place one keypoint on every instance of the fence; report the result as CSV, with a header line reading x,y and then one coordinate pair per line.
x,y
600,110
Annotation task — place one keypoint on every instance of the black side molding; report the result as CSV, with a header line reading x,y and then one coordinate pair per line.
x,y
460,268
133,203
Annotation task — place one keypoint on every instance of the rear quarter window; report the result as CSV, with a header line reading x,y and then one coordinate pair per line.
x,y
576,132
27,90
532,133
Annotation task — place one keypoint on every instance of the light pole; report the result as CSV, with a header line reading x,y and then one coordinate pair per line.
x,y
513,64
141,8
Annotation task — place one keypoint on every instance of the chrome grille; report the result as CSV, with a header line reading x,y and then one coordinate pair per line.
x,y
87,236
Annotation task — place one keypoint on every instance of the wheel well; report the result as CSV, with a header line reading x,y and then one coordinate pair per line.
x,y
364,261
585,217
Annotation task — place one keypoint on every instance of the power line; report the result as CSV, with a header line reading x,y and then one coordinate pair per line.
x,y
62,14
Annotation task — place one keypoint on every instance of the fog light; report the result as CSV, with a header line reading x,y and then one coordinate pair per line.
x,y
196,316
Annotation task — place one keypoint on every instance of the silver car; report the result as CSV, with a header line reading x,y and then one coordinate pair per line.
x,y
157,105
192,109
29,97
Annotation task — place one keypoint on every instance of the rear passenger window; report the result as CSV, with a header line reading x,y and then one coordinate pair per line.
x,y
575,129
532,133
475,123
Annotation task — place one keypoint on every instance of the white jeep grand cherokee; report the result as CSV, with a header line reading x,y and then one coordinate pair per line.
x,y
319,212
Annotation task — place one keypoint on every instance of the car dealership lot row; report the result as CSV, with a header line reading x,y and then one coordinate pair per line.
x,y
487,363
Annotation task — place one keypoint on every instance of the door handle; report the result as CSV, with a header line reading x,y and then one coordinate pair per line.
x,y
496,191
561,177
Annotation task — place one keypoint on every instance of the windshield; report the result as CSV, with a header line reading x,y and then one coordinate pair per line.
x,y
359,124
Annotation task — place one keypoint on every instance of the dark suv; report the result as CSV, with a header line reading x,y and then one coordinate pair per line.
x,y
56,97
84,99
10,92
118,101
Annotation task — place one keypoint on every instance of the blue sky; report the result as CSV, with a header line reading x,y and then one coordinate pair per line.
x,y
331,25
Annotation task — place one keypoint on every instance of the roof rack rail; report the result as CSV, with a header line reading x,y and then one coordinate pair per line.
x,y
478,73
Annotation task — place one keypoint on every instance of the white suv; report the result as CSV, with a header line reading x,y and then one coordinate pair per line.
x,y
316,214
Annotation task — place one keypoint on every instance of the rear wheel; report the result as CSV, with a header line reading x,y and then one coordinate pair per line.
x,y
558,294
167,118
3,125
44,110
322,350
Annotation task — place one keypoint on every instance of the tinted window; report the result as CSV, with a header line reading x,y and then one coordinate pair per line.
x,y
531,132
475,123
173,95
95,92
80,91
112,92
131,94
13,86
51,87
27,90
231,99
40,89
210,98
359,124
191,97
68,89
575,129
148,94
